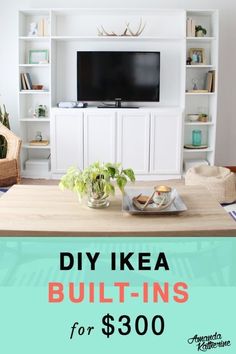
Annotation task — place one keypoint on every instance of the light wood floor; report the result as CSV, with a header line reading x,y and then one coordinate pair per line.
x,y
53,182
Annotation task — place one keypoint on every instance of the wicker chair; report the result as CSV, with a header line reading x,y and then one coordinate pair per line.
x,y
10,167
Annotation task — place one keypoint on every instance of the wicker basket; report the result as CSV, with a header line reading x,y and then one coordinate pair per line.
x,y
10,167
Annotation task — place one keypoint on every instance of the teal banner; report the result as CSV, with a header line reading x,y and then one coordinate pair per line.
x,y
117,295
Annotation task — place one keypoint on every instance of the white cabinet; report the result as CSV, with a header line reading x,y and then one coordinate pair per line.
x,y
165,145
67,140
147,140
99,136
133,130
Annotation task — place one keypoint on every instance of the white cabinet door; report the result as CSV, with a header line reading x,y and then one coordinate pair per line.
x,y
133,140
67,141
165,143
99,136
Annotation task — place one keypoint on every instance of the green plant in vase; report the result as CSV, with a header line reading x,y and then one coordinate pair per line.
x,y
95,181
200,31
4,119
203,117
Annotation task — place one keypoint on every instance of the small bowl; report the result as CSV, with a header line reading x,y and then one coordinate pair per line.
x,y
37,87
193,117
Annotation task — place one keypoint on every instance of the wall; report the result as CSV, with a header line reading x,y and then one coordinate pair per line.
x,y
226,131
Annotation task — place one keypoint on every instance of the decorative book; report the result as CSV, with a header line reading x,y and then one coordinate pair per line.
x,y
39,143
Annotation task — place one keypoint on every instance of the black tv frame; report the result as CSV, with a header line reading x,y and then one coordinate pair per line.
x,y
118,100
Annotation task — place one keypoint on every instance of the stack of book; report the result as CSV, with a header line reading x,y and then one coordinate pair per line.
x,y
210,81
43,27
190,27
26,82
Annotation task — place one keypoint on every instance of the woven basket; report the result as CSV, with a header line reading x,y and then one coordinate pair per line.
x,y
10,167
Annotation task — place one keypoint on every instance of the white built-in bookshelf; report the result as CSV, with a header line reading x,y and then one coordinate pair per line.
x,y
28,100
69,30
202,102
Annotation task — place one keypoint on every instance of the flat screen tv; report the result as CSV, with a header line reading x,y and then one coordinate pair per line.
x,y
118,76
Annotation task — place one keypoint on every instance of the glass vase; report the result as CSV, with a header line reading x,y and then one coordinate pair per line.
x,y
196,137
97,198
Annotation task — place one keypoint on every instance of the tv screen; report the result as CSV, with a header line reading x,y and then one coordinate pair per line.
x,y
107,76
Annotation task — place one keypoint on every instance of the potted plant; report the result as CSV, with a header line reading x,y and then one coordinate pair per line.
x,y
200,31
203,117
95,181
4,119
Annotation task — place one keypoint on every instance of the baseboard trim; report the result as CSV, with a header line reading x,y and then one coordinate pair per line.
x,y
232,168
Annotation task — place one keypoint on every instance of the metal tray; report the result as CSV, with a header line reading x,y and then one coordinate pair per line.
x,y
176,207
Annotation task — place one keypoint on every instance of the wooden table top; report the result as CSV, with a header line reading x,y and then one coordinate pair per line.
x,y
47,211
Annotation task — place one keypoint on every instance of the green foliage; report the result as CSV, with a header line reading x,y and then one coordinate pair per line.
x,y
97,178
200,28
4,119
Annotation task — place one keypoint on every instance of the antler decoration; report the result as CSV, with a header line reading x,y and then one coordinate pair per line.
x,y
127,31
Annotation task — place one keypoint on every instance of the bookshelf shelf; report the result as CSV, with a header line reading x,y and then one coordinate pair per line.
x,y
198,124
193,151
200,66
28,38
35,12
34,120
200,93
115,38
34,65
200,39
34,147
34,92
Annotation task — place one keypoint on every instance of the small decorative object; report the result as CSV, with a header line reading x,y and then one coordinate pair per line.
x,y
200,31
33,29
41,111
195,81
95,182
132,205
144,199
189,61
203,118
160,200
197,56
162,195
31,113
126,33
37,56
38,136
193,117
37,87
196,137
195,88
